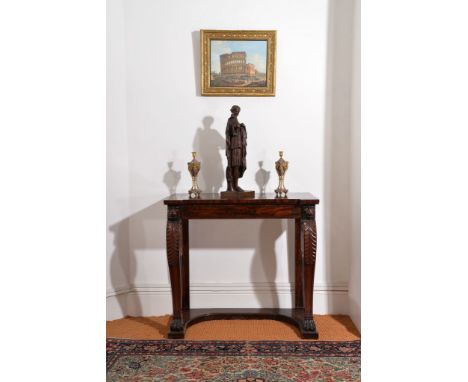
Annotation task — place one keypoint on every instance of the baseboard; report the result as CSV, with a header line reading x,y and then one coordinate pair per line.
x,y
155,299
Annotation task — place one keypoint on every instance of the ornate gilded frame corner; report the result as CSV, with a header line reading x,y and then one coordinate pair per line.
x,y
205,57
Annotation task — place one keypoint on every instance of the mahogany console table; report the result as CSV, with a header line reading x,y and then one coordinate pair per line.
x,y
300,207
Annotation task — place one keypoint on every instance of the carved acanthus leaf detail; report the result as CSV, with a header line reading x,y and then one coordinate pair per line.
x,y
310,241
173,232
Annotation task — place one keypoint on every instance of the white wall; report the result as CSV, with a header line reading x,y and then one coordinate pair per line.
x,y
156,117
118,166
355,254
342,147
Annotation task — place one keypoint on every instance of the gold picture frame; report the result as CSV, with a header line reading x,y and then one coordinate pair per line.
x,y
237,63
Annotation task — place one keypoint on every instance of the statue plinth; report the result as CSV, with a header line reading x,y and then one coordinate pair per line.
x,y
237,194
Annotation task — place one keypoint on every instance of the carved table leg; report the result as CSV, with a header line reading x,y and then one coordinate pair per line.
x,y
185,265
309,232
173,245
298,265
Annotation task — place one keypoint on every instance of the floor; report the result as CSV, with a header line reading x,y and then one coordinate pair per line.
x,y
330,328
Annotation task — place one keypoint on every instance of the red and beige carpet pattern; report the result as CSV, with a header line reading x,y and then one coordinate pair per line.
x,y
232,351
236,361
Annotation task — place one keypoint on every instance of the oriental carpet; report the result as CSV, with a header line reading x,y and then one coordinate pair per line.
x,y
232,361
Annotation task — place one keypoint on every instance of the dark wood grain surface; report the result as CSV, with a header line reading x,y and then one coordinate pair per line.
x,y
265,199
300,207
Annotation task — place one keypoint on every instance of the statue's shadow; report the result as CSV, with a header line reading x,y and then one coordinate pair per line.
x,y
209,145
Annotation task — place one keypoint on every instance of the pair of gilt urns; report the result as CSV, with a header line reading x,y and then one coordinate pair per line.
x,y
194,167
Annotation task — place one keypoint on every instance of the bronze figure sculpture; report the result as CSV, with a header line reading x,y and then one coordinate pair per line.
x,y
236,152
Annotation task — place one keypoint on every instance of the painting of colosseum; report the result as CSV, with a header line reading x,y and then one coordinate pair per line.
x,y
238,63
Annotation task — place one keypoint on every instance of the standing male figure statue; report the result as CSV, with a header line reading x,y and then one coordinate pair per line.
x,y
236,150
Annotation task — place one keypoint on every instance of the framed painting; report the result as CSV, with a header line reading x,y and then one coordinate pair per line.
x,y
237,63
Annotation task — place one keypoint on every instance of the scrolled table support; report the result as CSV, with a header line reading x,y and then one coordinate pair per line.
x,y
185,265
182,209
298,265
173,246
309,234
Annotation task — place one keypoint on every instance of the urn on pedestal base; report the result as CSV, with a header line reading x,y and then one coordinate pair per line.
x,y
281,167
194,168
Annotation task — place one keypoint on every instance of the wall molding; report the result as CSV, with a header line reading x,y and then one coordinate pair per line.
x,y
225,288
155,298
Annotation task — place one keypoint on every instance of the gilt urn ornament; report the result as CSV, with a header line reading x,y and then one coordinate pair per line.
x,y
194,168
281,167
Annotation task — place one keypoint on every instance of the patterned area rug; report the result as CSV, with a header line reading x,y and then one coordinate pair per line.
x,y
232,361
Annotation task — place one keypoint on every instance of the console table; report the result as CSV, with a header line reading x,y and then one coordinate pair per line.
x,y
300,207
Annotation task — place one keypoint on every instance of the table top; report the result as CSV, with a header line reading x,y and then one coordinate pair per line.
x,y
265,199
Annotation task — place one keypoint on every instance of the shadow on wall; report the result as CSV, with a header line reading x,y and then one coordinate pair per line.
x,y
261,235
142,230
171,178
119,266
146,230
264,260
262,177
209,143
